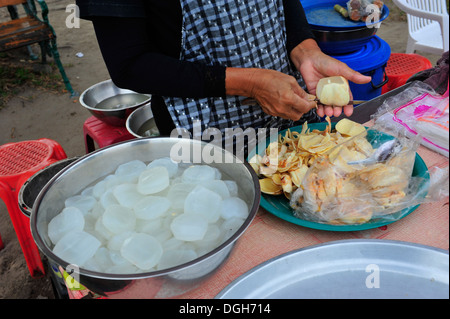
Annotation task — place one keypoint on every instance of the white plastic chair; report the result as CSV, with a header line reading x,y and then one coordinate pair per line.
x,y
427,25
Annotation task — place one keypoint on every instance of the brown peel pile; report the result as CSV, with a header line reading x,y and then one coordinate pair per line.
x,y
311,168
284,164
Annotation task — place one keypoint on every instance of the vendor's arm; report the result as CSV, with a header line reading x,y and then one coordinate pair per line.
x,y
134,63
312,63
297,27
277,93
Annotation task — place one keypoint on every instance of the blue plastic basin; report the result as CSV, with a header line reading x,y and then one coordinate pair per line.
x,y
334,33
322,16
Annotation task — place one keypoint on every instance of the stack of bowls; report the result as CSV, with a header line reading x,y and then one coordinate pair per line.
x,y
354,43
336,34
112,104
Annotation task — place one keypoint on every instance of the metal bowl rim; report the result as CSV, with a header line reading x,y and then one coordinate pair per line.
x,y
35,175
384,15
81,99
48,252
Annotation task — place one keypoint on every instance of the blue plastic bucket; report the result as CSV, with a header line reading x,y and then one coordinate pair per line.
x,y
370,60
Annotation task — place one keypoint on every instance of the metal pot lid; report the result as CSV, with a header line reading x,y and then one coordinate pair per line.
x,y
348,269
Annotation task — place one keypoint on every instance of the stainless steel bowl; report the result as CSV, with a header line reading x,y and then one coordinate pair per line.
x,y
141,122
110,103
96,165
31,188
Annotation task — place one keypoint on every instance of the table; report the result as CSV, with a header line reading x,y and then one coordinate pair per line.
x,y
268,236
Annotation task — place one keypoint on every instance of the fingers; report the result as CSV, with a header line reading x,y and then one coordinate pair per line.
x,y
288,101
291,108
348,110
302,103
290,111
327,110
353,75
281,95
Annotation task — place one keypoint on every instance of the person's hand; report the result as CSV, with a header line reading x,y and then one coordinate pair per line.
x,y
314,65
278,94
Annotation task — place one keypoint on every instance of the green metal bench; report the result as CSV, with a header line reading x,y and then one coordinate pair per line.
x,y
30,29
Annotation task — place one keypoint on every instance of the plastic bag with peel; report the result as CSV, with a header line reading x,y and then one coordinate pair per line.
x,y
370,177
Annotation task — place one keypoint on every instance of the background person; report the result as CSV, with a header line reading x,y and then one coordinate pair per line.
x,y
201,60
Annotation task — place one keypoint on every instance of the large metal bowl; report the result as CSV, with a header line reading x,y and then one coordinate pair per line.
x,y
90,168
110,103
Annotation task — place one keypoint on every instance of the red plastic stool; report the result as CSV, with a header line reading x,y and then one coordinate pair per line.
x,y
18,162
401,66
103,134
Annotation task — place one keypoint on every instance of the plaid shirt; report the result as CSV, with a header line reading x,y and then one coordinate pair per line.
x,y
246,34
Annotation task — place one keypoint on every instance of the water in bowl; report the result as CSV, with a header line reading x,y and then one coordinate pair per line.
x,y
148,129
121,101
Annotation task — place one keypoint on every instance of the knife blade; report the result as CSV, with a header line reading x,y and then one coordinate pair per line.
x,y
354,102
250,101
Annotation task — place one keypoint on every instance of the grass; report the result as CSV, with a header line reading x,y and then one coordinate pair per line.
x,y
16,75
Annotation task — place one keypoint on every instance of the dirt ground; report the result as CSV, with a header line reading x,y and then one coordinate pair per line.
x,y
36,113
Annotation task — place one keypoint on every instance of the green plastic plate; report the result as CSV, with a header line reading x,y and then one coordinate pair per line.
x,y
279,205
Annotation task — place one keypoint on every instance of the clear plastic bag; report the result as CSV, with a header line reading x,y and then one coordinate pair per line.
x,y
421,112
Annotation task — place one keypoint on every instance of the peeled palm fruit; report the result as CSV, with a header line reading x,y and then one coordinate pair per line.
x,y
349,128
333,91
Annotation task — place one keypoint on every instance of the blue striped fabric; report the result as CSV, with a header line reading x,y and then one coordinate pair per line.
x,y
236,33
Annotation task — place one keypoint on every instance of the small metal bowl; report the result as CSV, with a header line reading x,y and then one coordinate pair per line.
x,y
141,122
110,103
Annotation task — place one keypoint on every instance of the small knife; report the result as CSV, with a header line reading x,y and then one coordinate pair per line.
x,y
355,102
250,101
